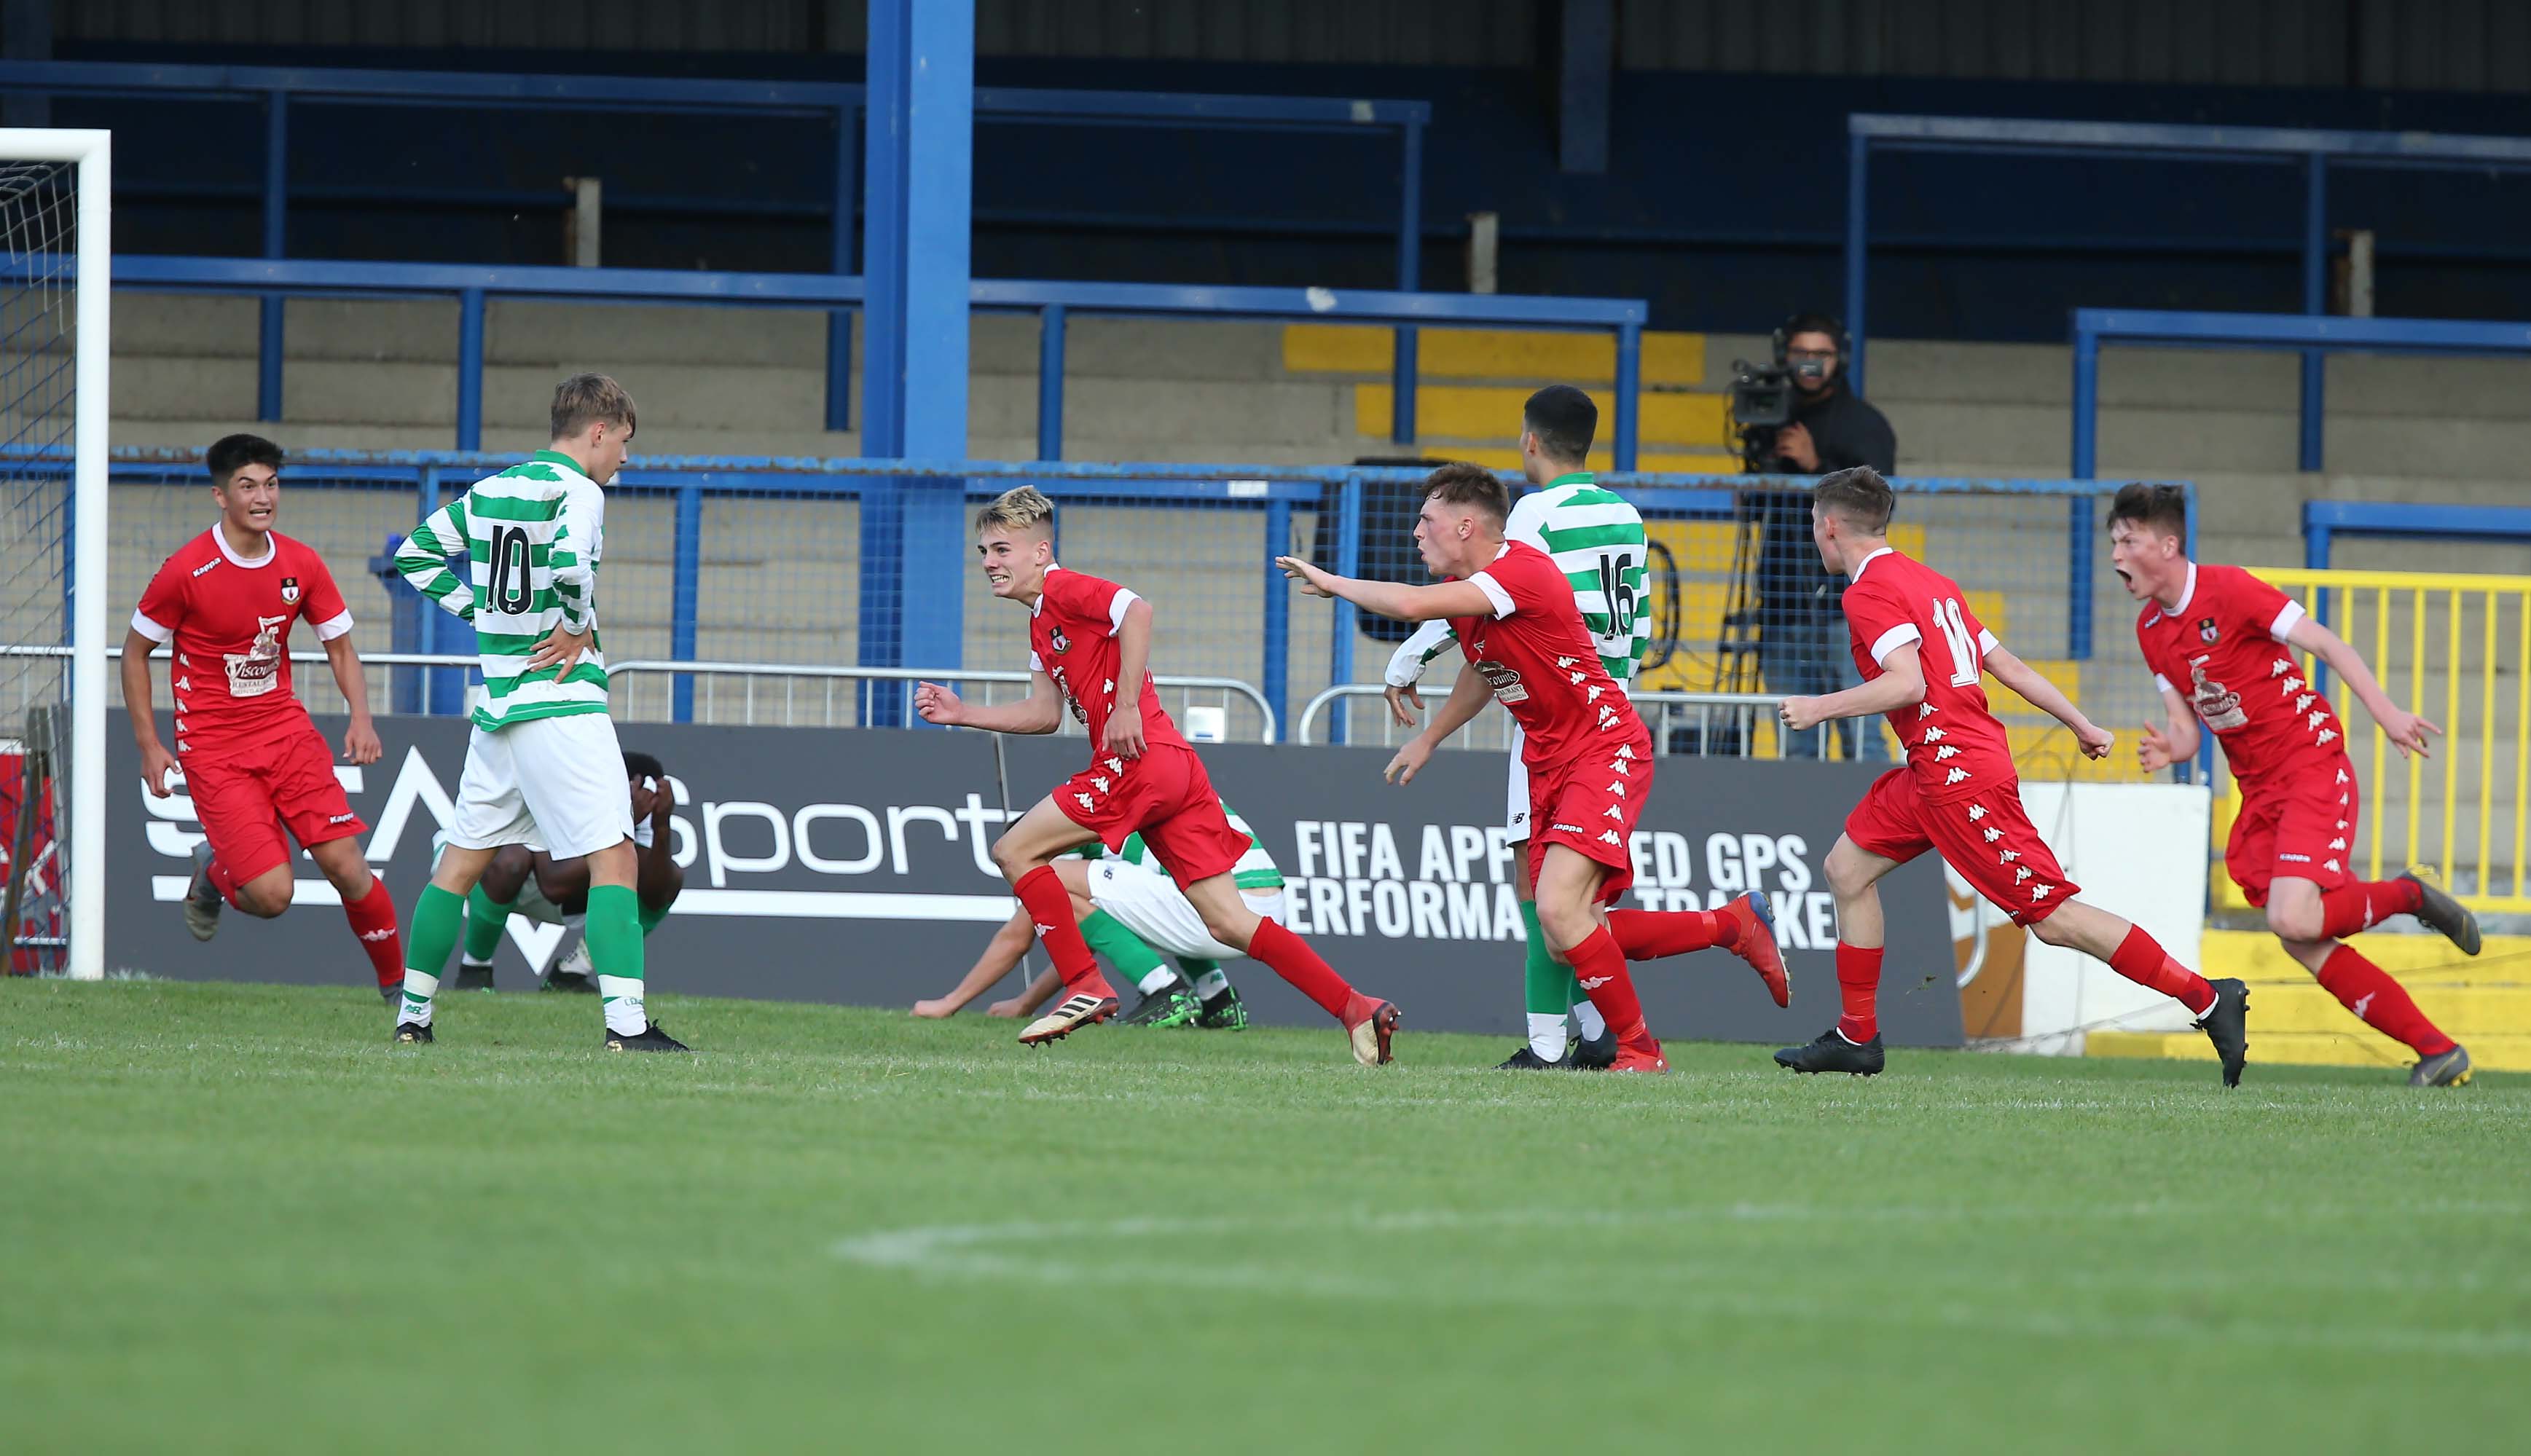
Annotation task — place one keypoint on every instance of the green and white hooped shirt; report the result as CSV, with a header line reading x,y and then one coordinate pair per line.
x,y
532,535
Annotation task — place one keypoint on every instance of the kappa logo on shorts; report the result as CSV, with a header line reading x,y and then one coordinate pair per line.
x,y
1567,662
2316,718
290,591
2295,858
1617,789
1083,798
1610,836
1098,781
2338,843
2328,736
2302,702
2330,864
1946,750
1596,691
2020,874
1619,767
2279,668
1932,735
1566,829
1993,834
1613,812
340,818
2009,855
1977,811
1957,776
2039,892
2342,775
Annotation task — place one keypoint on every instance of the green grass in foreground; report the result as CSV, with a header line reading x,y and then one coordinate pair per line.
x,y
237,1220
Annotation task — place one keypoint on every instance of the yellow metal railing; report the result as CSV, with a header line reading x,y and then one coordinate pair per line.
x,y
2458,649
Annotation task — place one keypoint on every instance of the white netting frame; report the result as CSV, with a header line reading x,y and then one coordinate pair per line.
x,y
55,232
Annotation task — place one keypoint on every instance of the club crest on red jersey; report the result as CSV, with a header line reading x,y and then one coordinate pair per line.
x,y
2206,631
290,591
1061,643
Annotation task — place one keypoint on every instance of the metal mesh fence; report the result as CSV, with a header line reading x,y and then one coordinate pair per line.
x,y
757,564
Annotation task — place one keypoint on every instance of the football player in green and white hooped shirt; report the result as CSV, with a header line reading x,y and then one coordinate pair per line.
x,y
1131,912
543,768
1598,541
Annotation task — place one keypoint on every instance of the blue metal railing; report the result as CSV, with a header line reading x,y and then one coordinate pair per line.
x,y
2315,336
1053,301
279,89
2313,152
1271,492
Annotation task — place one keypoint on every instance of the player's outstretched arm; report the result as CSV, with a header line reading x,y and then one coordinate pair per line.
x,y
2045,696
1467,698
156,761
1391,599
1901,684
2174,740
1041,711
1001,953
424,561
2406,729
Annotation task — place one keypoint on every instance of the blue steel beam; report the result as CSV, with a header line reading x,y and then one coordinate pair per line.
x,y
270,351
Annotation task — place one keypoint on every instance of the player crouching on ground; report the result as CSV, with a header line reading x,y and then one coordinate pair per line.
x,y
1090,646
542,766
252,763
1920,652
1589,755
1126,908
2231,639
548,891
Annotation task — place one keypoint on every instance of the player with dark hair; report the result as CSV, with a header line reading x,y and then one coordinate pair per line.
x,y
548,891
253,764
1596,539
1921,652
1089,647
1588,754
2222,645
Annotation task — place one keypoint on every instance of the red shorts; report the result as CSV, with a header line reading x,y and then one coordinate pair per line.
x,y
1987,837
2297,828
1589,804
1165,796
246,796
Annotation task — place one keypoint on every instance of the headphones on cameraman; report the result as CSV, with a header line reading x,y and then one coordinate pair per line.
x,y
1808,323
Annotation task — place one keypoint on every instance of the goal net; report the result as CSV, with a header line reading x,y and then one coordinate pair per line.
x,y
54,619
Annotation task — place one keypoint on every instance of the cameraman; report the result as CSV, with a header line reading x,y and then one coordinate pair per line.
x,y
1801,636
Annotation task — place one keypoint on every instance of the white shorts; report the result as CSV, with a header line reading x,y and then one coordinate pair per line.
x,y
554,784
1150,904
1516,802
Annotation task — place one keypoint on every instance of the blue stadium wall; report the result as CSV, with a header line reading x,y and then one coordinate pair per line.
x,y
1724,204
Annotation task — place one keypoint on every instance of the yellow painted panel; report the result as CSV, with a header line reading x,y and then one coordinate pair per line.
x,y
1668,359
1668,463
2504,961
1485,411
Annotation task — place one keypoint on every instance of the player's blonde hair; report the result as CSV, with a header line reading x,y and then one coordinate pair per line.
x,y
1023,509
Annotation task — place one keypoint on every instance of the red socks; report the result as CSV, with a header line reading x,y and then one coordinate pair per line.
x,y
374,921
221,880
1289,956
1050,908
2361,906
1600,967
2141,959
2368,991
1650,934
1858,986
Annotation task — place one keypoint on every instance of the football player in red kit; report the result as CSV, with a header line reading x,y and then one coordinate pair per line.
x,y
2222,645
1090,648
1921,652
252,763
1589,755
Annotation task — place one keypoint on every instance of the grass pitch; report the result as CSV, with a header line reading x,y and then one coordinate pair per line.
x,y
237,1220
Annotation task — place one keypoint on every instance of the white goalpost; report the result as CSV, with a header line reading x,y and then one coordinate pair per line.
x,y
56,226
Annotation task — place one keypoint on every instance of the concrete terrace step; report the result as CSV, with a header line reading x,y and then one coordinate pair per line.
x,y
1533,356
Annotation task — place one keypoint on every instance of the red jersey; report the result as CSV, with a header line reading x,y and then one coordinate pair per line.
x,y
1955,745
1543,663
2223,649
1072,639
231,618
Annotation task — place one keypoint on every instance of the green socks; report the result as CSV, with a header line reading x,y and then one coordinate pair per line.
x,y
1125,951
614,932
436,916
486,919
